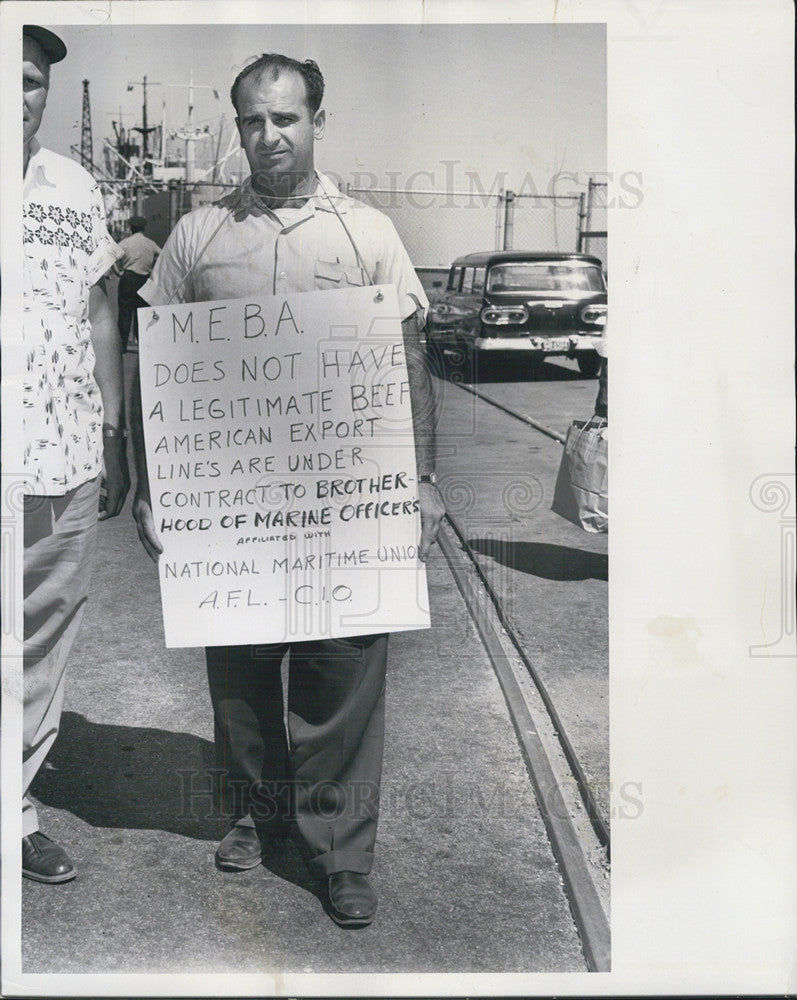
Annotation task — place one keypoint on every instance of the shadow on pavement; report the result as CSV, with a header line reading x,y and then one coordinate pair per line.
x,y
287,859
518,370
130,778
551,562
503,370
133,778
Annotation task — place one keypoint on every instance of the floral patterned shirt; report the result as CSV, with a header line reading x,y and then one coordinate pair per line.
x,y
67,249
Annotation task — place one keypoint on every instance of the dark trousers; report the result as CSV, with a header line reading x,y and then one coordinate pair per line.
x,y
602,402
129,301
326,770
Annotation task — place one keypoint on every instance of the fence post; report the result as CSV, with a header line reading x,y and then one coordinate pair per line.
x,y
499,219
509,220
582,223
591,185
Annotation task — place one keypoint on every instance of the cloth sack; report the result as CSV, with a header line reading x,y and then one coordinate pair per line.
x,y
581,493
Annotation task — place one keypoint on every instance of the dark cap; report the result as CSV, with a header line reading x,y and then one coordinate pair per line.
x,y
138,222
51,44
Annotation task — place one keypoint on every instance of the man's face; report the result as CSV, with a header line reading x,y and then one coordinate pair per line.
x,y
277,130
35,81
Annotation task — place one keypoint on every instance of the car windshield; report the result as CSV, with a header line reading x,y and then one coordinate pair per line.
x,y
545,276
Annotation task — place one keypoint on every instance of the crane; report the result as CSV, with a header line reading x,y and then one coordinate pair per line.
x,y
86,144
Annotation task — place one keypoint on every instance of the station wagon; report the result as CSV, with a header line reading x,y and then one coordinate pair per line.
x,y
511,303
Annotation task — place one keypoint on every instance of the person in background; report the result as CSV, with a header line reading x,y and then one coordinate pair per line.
x,y
73,420
602,399
139,254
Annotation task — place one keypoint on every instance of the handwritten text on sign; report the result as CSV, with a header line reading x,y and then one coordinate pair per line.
x,y
282,467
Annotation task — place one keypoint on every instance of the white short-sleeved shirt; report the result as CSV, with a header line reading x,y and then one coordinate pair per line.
x,y
67,249
236,247
138,253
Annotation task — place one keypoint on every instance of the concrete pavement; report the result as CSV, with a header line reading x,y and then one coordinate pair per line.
x,y
497,477
464,871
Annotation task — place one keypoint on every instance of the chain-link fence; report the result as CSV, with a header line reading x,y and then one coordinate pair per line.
x,y
435,226
542,222
438,226
594,237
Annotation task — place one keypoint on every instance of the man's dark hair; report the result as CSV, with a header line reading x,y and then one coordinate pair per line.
x,y
276,64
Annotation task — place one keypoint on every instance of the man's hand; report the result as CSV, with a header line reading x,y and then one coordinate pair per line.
x,y
142,504
145,524
423,424
116,480
110,379
432,513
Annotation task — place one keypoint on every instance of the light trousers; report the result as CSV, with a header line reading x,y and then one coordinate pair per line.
x,y
60,534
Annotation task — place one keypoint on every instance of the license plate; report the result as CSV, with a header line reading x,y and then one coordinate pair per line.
x,y
561,344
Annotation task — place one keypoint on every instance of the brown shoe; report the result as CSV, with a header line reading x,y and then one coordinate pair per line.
x,y
352,901
44,861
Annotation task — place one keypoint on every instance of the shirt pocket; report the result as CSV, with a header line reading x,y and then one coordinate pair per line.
x,y
331,274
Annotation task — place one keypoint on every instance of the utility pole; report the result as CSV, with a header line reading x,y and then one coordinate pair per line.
x,y
144,129
86,144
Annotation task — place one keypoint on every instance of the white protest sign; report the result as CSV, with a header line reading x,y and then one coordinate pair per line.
x,y
281,467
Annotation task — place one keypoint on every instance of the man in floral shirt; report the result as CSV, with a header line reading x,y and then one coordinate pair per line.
x,y
73,424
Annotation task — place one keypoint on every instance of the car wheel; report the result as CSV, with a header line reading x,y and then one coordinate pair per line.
x,y
475,364
589,364
459,363
436,359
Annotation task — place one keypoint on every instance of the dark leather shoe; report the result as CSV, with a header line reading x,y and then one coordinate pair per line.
x,y
241,849
352,901
44,861
245,846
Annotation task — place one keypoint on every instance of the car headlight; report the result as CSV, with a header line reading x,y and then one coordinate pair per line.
x,y
595,314
504,315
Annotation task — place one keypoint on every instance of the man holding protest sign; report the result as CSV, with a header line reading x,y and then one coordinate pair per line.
x,y
287,230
